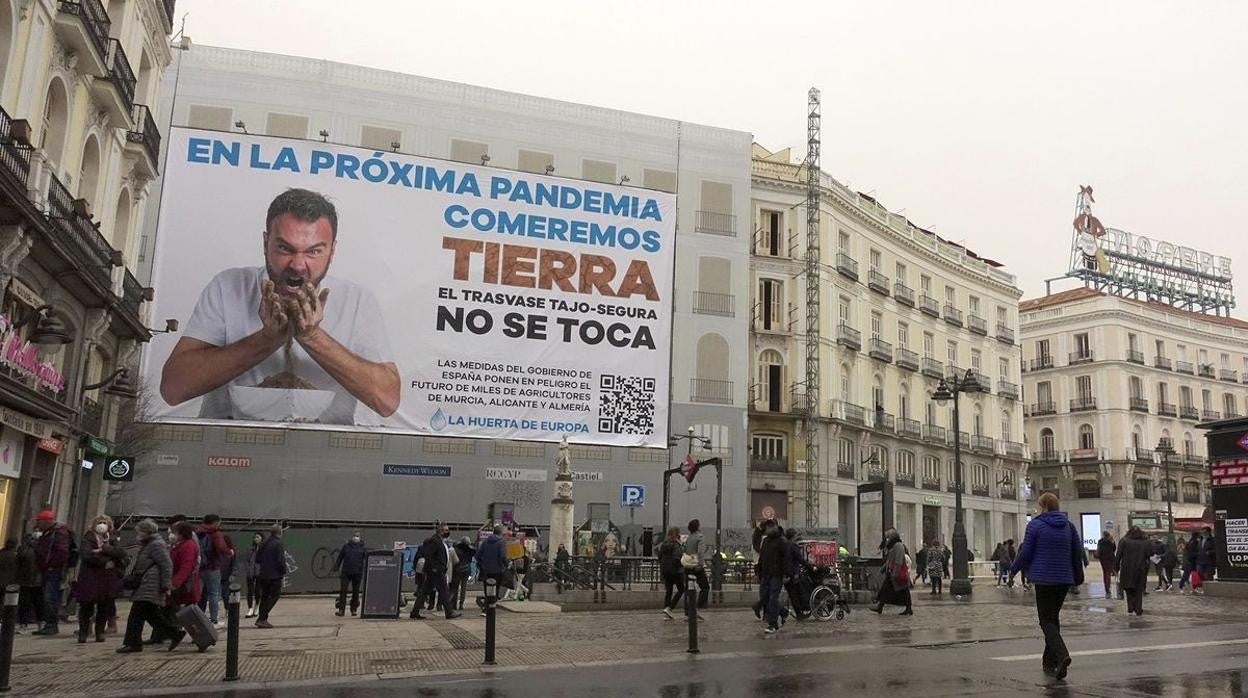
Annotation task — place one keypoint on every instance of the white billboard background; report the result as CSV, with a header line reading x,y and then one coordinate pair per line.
x,y
561,376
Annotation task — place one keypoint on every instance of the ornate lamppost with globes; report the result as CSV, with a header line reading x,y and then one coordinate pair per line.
x,y
960,585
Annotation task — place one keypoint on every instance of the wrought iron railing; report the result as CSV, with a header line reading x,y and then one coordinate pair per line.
x,y
120,73
716,223
977,324
708,303
904,294
907,359
847,265
96,20
929,305
933,368
93,251
1167,409
145,132
1163,363
1082,403
710,390
1005,333
14,157
876,281
1007,389
1082,356
879,349
953,316
1139,404
1135,356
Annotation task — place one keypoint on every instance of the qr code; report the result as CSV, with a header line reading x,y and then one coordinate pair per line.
x,y
625,404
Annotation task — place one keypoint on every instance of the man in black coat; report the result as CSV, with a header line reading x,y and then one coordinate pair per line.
x,y
773,568
350,568
437,556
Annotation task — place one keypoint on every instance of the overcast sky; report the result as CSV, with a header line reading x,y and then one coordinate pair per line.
x,y
980,119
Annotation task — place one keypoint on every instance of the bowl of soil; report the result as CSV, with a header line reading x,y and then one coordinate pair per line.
x,y
283,397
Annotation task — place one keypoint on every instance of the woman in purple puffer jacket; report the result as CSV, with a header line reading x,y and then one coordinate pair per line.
x,y
1051,558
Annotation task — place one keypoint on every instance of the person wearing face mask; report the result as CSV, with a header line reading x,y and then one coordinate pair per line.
x,y
253,594
350,568
53,556
99,578
438,564
149,581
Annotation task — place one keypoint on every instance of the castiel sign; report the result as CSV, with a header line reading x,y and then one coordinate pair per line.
x,y
395,293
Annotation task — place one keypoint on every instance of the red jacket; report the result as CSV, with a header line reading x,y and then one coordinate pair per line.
x,y
216,551
52,549
185,582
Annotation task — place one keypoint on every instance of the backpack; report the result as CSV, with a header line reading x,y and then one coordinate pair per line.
x,y
207,556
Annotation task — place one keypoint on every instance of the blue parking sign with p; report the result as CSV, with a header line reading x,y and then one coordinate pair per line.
x,y
632,495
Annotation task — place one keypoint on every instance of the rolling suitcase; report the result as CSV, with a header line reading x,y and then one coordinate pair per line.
x,y
197,626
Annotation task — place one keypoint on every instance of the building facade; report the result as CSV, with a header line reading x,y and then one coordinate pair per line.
x,y
900,309
78,151
1107,378
303,475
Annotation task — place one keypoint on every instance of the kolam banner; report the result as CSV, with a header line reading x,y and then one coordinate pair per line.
x,y
329,287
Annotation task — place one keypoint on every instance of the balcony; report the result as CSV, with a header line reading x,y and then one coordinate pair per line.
x,y
903,294
909,428
83,27
1083,403
879,349
132,296
1206,371
92,419
980,490
1163,363
1008,491
1042,362
1013,449
1167,409
1139,404
928,305
1005,333
885,422
848,337
715,223
708,303
977,324
935,434
146,137
1007,389
1083,454
953,316
952,486
933,368
115,89
1189,412
1229,375
1083,356
14,156
876,473
87,247
711,391
847,266
907,359
930,483
1144,455
1210,415
877,282
1136,357
1046,456
846,470
769,464
1041,409
987,444
169,5
964,438
984,382
1184,367
905,479
954,374
1193,459
777,320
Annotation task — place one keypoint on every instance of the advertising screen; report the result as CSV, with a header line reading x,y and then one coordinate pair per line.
x,y
330,287
1090,525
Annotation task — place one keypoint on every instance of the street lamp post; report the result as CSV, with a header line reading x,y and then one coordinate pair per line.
x,y
960,585
1166,449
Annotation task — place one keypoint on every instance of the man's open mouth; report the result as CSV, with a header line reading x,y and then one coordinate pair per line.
x,y
294,282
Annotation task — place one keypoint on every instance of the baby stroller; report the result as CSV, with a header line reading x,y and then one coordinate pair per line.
x,y
816,592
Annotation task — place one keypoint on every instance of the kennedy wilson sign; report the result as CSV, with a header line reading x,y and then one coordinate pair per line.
x,y
328,287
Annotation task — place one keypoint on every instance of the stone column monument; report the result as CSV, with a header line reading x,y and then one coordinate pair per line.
x,y
562,509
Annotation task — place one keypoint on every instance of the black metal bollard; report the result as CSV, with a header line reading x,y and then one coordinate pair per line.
x,y
8,622
691,610
491,596
231,634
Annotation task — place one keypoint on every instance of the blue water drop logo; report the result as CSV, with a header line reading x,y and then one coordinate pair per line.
x,y
438,421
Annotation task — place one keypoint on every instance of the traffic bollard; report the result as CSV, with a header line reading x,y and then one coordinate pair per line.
x,y
231,634
8,622
691,610
491,596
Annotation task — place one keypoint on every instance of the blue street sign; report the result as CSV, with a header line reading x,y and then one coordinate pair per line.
x,y
632,495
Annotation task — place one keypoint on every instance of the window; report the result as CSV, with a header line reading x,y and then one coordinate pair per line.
x,y
951,350
1002,315
660,180
380,138
875,260
1228,405
978,421
1049,484
1225,361
1082,347
877,394
1185,396
903,335
1163,393
930,413
979,475
1003,368
1083,387
210,118
949,295
534,161
1133,342
842,241
974,305
1191,492
929,345
1042,349
1088,489
1206,399
977,359
905,465
925,284
847,384
880,456
1202,356
846,453
767,446
903,401
770,303
902,273
769,237
1143,488
286,125
1137,438
1160,349
931,469
1086,438
770,379
602,171
1135,387
1170,491
1006,434
468,151
842,311
877,323
1044,392
1182,352
1189,447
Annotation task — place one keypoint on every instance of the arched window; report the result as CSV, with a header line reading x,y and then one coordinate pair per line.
x,y
1137,437
89,175
979,476
1086,438
905,466
931,471
770,381
55,121
846,456
903,401
121,223
768,452
978,420
847,384
1048,444
1006,431
1189,447
877,392
1191,492
712,382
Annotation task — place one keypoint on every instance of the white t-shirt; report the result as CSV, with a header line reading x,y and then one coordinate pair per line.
x,y
228,311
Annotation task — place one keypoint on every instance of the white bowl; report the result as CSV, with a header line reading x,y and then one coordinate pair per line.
x,y
280,404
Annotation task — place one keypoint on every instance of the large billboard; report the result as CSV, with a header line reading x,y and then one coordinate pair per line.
x,y
328,287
